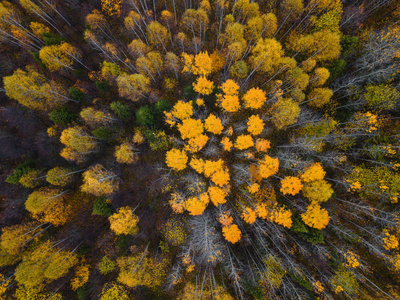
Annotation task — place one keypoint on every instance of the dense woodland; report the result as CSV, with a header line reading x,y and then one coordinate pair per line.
x,y
199,149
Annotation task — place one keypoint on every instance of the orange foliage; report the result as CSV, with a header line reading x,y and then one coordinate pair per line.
x,y
291,185
190,128
217,195
262,145
254,98
213,124
315,216
176,159
249,215
268,166
313,172
203,86
232,233
255,125
244,141
197,205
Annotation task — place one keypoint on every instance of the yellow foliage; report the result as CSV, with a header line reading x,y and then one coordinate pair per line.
x,y
291,185
254,98
38,29
181,111
315,216
262,145
230,87
203,86
81,277
124,221
125,154
111,8
249,215
177,203
98,181
176,159
282,217
313,173
217,195
255,125
190,128
218,60
268,166
225,219
213,124
253,188
318,191
231,233
390,241
226,144
244,141
351,260
203,64
196,205
229,103
197,165
197,143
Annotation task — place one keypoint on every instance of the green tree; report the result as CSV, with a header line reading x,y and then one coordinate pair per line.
x,y
381,97
106,265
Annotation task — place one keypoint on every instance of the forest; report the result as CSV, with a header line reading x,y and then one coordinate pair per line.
x,y
199,149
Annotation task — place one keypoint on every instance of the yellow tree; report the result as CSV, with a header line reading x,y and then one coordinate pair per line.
x,y
124,221
255,125
244,141
48,205
313,172
111,8
229,101
213,124
291,185
134,86
266,55
60,176
231,233
318,191
141,269
284,112
113,291
190,128
254,98
319,96
34,91
268,166
45,263
176,159
315,216
14,238
57,57
94,117
203,86
98,181
126,153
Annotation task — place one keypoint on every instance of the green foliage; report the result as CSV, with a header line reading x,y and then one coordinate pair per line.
x,y
311,235
161,106
84,291
121,110
62,116
158,140
381,96
106,265
188,92
103,86
145,117
301,280
336,68
18,172
348,44
103,133
102,208
52,39
76,94
122,243
239,69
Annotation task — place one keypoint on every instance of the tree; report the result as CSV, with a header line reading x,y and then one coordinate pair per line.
x,y
94,118
229,101
14,239
319,96
126,153
322,45
138,48
45,263
284,112
381,96
34,91
190,128
48,205
133,87
315,216
313,172
106,265
157,34
141,269
57,57
318,191
81,277
113,291
232,233
255,125
213,124
111,8
244,141
78,144
291,185
124,221
203,86
266,55
32,179
320,76
268,166
98,181
176,159
254,98
290,9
